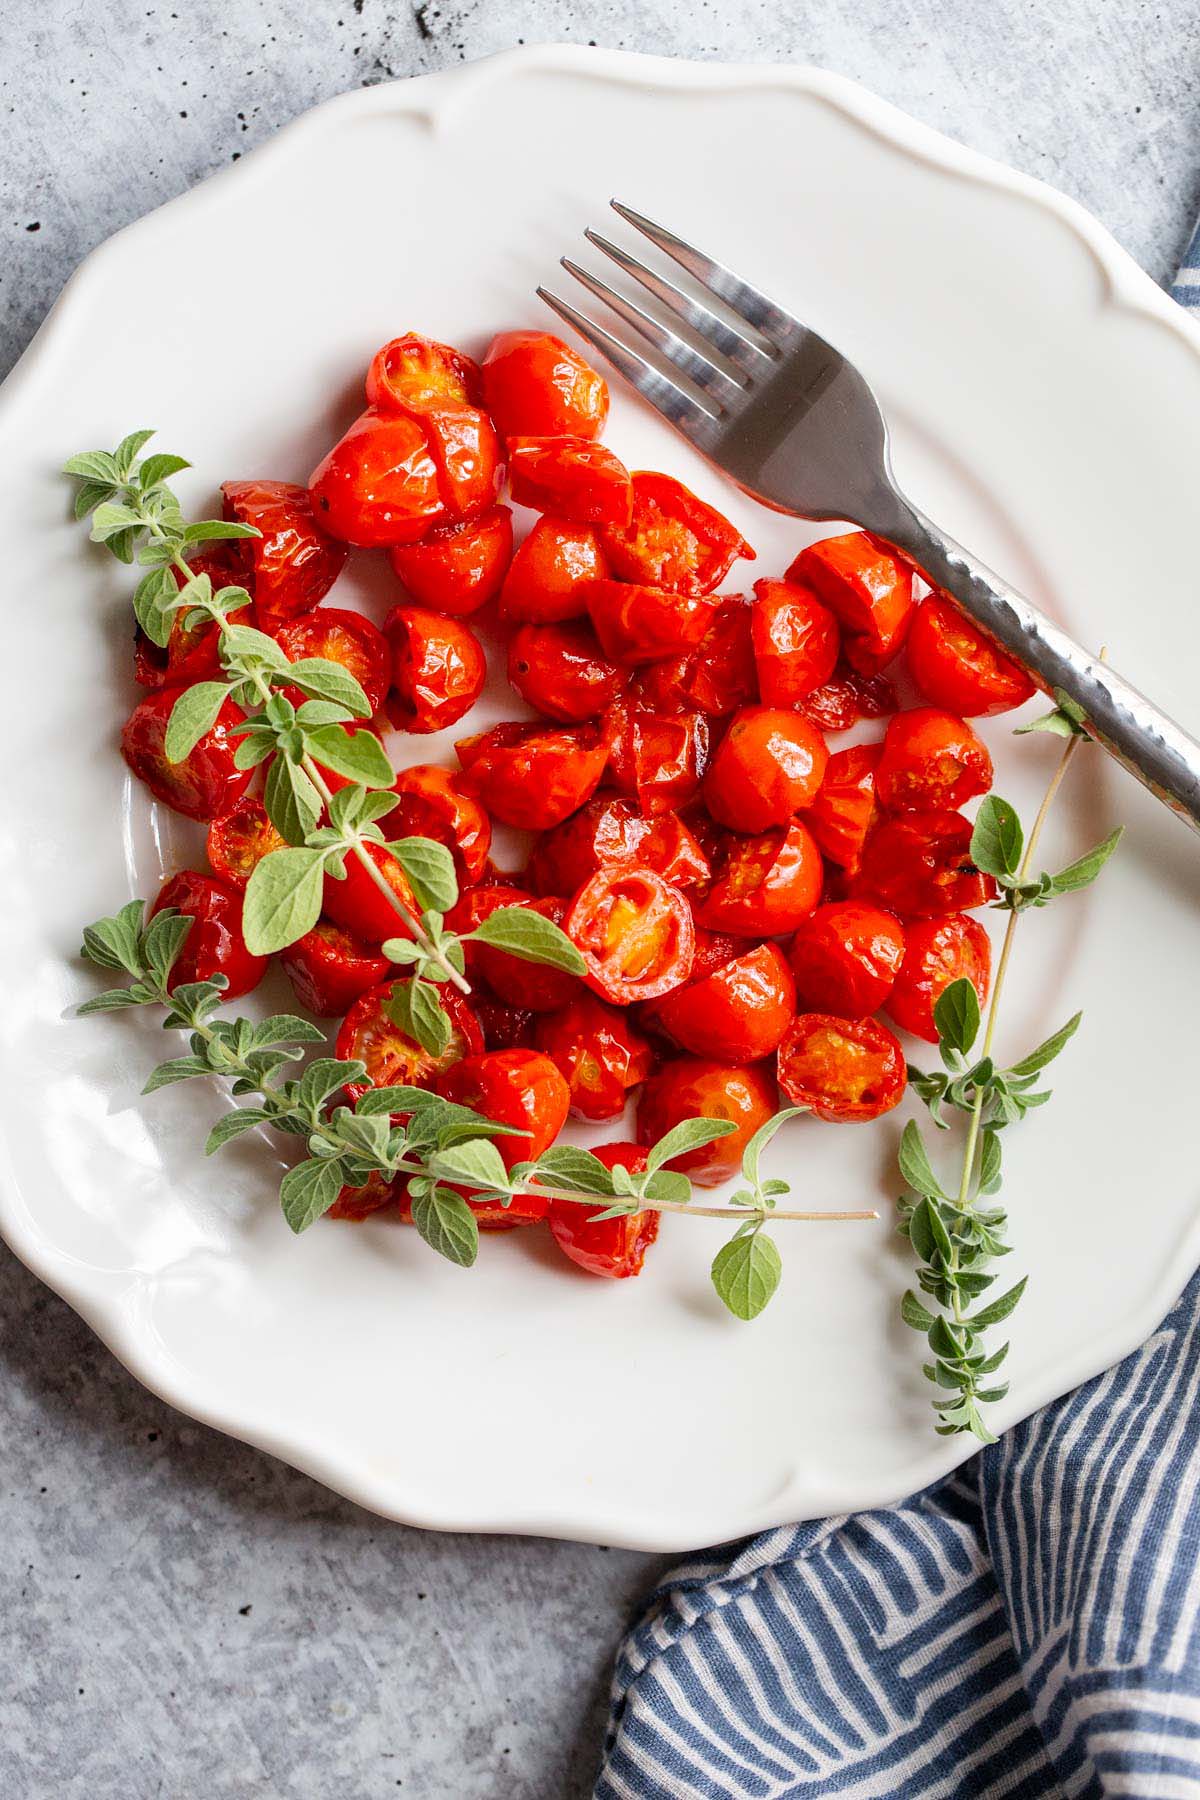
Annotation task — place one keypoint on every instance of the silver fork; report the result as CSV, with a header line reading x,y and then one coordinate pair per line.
x,y
799,428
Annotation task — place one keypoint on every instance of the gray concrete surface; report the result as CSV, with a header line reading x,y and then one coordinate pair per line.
x,y
181,1616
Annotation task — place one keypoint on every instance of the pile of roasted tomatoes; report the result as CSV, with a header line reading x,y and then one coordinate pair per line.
x,y
748,899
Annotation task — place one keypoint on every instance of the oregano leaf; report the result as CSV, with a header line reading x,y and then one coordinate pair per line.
x,y
745,1273
448,1225
531,936
283,899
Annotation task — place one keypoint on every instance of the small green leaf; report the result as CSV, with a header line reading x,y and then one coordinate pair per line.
x,y
567,1166
916,1167
125,454
111,519
1047,1051
448,1226
990,1157
359,755
477,1162
324,1076
914,1314
283,1028
745,1273
531,936
956,1015
689,1134
207,531
283,899
309,1190
328,680
91,494
177,1068
194,713
429,867
1083,872
920,1230
997,839
153,605
94,465
232,1125
762,1137
115,943
112,1000
667,1185
416,1008
292,803
998,1309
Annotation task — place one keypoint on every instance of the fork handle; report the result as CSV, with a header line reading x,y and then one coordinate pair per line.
x,y
1131,728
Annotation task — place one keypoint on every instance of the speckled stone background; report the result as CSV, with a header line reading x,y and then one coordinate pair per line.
x,y
180,1616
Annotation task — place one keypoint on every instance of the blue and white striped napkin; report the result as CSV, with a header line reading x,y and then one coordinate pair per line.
x,y
1187,283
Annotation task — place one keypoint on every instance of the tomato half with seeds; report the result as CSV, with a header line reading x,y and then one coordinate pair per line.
x,y
938,951
329,968
957,667
370,1035
847,698
570,477
644,624
919,865
845,807
356,1204
357,903
295,562
795,639
598,1052
844,1070
561,671
537,779
239,839
534,385
868,590
615,1248
533,987
608,833
438,669
635,933
433,804
207,783
931,762
415,371
550,573
673,539
659,758
458,568
769,765
514,1087
214,945
766,885
846,957
695,1087
378,486
736,1014
344,637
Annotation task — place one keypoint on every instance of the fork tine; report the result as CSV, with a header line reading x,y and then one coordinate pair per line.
x,y
735,348
705,374
687,414
747,302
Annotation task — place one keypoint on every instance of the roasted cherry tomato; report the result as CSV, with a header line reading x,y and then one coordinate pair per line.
x,y
379,1191
846,957
434,805
866,588
659,758
635,934
768,765
468,455
513,1087
458,568
533,987
214,945
414,371
538,779
534,386
329,968
766,885
207,783
571,478
551,572
356,903
847,698
736,1014
370,1034
931,762
644,624
845,1070
937,952
239,839
612,1247
293,565
438,669
693,1087
379,484
612,834
561,671
845,807
474,905
795,639
673,539
341,637
958,668
919,865
504,1027
721,674
598,1052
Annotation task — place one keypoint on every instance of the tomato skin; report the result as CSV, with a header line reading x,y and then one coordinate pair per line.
x,y
513,1087
938,951
931,762
768,766
736,1014
549,576
847,698
414,371
537,780
531,987
458,568
207,783
341,637
469,458
658,758
868,590
795,641
570,477
845,807
694,1087
295,562
504,1027
378,486
846,957
845,1070
673,539
598,1052
535,386
368,1035
214,945
956,667
635,933
919,866
329,968
615,1248
433,804
438,669
475,905
357,1204
765,885
609,833
561,671
239,839
722,674
644,624
356,904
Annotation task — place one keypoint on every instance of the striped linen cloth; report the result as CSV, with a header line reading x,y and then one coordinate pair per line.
x,y
1027,1628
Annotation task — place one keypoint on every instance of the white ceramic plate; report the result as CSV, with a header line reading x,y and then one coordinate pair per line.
x,y
1046,405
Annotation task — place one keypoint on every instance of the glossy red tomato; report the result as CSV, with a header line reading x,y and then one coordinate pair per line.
x,y
369,1034
357,904
768,766
433,804
239,839
644,624
458,568
532,987
341,637
845,807
938,951
214,945
737,1013
694,1087
609,833
537,779
867,589
414,371
795,640
847,698
504,1027
956,667
570,477
561,671
361,1203
468,455
845,958
766,885
598,1052
513,1087
207,782
474,905
612,1247
534,386
329,968
919,865
673,539
931,762
721,673
845,1070
379,484
658,758
551,572
438,669
293,565
635,933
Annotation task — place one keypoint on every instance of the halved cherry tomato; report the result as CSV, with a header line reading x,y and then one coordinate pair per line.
x,y
214,945
847,698
937,952
561,671
845,1070
610,833
468,454
533,987
438,669
504,1027
293,565
736,1014
570,477
846,957
329,968
458,568
476,904
660,759
413,371
550,573
534,386
795,639
356,902
673,539
369,1034
598,1052
644,624
379,484
694,1087
612,1247
866,588
845,807
766,885
635,934
207,783
721,673
513,1087
931,762
538,779
957,667
356,1204
919,865
239,839
768,766
434,805
342,637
